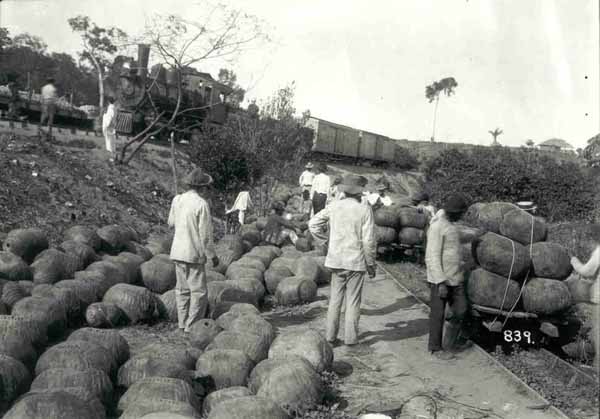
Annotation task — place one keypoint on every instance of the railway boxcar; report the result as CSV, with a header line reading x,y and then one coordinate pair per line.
x,y
339,141
368,145
335,139
385,149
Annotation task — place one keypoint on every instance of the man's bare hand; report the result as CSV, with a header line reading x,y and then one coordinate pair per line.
x,y
215,261
371,271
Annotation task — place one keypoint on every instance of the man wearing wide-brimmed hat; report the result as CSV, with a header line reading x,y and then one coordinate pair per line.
x,y
306,180
351,253
446,275
192,247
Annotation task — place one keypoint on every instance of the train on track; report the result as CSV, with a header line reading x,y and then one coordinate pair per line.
x,y
30,109
335,142
142,95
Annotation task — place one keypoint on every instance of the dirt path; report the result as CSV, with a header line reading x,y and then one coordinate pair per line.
x,y
392,365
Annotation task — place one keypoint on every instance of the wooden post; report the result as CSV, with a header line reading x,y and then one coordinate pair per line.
x,y
173,166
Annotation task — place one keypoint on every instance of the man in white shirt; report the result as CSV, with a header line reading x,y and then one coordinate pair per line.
x,y
49,98
109,130
321,189
306,180
379,199
192,247
351,254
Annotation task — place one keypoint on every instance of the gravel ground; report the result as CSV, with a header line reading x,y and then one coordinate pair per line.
x,y
566,391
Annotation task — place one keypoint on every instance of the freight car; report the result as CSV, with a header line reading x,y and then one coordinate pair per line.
x,y
30,108
338,142
141,95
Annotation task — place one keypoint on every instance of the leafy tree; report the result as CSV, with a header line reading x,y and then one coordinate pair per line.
x,y
229,78
35,43
281,104
26,61
5,39
433,92
495,133
247,149
99,45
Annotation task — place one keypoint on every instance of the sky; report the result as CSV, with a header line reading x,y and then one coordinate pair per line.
x,y
530,68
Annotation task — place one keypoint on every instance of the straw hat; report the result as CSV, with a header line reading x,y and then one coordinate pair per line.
x,y
309,165
353,184
198,177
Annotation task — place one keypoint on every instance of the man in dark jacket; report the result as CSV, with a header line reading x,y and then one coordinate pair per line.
x,y
278,229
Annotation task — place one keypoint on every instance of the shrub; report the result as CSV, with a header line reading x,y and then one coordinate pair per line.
x,y
405,159
562,190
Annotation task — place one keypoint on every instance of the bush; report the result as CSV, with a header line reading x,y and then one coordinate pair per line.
x,y
404,159
562,190
245,149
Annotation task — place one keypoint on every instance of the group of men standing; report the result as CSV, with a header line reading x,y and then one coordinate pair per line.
x,y
342,217
48,99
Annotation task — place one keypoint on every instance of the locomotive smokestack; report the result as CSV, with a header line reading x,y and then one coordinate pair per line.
x,y
143,57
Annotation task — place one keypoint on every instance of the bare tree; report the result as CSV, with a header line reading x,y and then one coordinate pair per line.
x,y
99,45
495,133
433,91
218,33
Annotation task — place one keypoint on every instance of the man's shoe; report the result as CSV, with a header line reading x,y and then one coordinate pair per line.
x,y
462,347
442,355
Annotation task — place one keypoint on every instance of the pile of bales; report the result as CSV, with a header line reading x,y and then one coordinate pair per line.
x,y
106,278
516,269
402,224
295,210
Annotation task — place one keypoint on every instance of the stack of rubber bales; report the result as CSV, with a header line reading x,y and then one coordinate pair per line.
x,y
400,224
516,268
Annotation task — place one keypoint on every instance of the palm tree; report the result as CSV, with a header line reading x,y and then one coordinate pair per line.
x,y
433,91
495,133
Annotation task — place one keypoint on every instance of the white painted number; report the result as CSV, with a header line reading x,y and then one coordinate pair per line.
x,y
515,336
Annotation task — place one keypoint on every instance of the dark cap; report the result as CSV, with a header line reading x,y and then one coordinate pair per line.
x,y
455,204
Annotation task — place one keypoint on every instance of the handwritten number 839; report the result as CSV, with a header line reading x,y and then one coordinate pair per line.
x,y
517,336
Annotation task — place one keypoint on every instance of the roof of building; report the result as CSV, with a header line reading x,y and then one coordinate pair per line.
x,y
555,142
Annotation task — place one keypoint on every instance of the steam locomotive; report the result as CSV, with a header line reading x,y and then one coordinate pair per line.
x,y
142,95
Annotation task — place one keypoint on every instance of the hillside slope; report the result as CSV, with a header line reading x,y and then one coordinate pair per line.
x,y
54,186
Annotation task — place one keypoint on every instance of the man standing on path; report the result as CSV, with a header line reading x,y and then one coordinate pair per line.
x,y
321,189
192,247
351,252
446,276
49,98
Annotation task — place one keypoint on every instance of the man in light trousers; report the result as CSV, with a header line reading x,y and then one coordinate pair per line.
x,y
192,247
351,252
